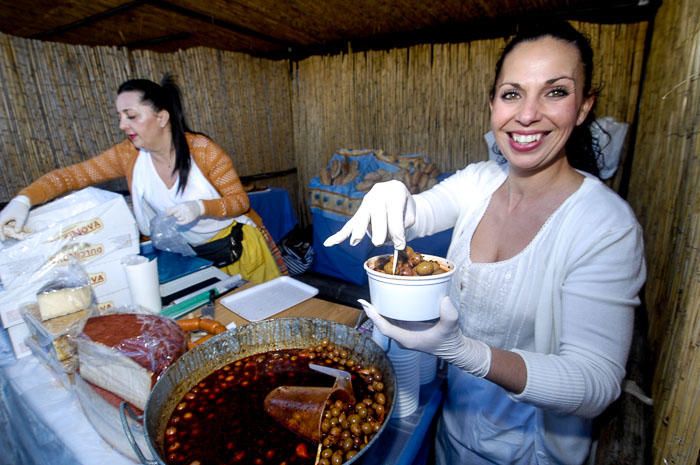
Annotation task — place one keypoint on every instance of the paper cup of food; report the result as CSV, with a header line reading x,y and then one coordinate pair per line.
x,y
415,293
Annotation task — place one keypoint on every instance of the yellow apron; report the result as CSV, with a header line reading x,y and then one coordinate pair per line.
x,y
256,264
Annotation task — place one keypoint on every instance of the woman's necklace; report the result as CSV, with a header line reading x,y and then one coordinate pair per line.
x,y
171,159
169,162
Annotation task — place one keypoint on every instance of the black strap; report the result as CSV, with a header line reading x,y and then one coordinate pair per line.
x,y
224,251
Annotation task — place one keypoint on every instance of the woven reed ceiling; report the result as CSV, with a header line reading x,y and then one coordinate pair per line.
x,y
279,28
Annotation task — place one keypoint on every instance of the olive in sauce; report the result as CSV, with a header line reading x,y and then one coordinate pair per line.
x,y
221,420
410,263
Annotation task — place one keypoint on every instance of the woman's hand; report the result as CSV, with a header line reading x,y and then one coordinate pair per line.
x,y
389,208
15,215
443,339
186,212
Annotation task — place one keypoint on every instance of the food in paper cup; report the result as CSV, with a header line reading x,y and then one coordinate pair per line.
x,y
409,297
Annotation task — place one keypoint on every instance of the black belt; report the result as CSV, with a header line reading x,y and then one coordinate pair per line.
x,y
224,251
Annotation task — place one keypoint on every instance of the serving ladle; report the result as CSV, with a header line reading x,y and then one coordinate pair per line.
x,y
300,408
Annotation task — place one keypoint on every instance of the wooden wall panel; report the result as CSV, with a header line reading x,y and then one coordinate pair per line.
x,y
665,192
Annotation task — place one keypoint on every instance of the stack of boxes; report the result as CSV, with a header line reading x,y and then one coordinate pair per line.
x,y
92,227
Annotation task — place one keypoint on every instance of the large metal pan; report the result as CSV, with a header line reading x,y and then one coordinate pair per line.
x,y
251,339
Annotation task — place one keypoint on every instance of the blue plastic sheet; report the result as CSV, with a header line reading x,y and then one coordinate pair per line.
x,y
339,202
275,208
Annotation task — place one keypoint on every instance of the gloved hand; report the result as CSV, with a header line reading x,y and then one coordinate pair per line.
x,y
443,339
389,207
14,215
186,212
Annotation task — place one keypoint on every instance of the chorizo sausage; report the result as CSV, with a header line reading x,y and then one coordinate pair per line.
x,y
212,327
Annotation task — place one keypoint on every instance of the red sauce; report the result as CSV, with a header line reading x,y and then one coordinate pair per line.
x,y
222,420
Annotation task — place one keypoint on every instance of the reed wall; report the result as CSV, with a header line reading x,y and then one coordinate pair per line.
x,y
432,99
665,193
57,105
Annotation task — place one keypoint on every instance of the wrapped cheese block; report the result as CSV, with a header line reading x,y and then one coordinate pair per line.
x,y
125,353
53,340
62,329
56,300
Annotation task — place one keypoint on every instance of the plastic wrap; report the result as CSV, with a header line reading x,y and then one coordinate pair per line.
x,y
92,226
165,236
102,410
125,353
53,340
87,224
45,424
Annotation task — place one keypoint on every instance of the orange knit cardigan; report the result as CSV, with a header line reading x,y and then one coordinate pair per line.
x,y
119,160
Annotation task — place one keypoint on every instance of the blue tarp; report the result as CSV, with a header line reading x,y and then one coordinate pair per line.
x,y
332,206
346,262
332,201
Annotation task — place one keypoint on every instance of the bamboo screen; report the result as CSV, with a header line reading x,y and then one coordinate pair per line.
x,y
58,107
432,98
665,193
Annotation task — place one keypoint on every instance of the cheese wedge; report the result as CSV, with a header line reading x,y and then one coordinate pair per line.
x,y
56,302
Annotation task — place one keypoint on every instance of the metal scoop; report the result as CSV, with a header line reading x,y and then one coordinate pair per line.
x,y
300,408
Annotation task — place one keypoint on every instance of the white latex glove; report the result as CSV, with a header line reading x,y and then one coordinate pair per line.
x,y
443,339
14,215
186,212
389,208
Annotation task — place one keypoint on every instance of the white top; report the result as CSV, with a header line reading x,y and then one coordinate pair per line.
x,y
565,303
150,197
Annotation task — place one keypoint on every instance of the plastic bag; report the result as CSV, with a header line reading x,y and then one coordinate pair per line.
x,y
53,339
607,133
165,236
297,252
610,137
126,353
101,408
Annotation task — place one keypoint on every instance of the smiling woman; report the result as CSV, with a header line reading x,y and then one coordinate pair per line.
x,y
172,170
548,266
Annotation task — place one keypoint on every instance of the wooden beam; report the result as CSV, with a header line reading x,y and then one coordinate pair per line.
x,y
158,40
88,20
478,29
237,28
163,5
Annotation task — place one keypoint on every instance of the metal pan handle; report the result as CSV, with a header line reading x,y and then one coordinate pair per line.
x,y
124,409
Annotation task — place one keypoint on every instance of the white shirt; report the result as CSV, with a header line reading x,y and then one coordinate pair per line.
x,y
150,197
565,303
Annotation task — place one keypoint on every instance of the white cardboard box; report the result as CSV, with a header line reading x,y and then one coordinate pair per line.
x,y
119,298
105,231
107,277
98,237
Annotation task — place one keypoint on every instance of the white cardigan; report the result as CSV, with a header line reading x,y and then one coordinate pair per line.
x,y
576,284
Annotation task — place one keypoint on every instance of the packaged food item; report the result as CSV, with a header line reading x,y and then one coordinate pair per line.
x,y
60,299
93,227
125,353
101,408
62,307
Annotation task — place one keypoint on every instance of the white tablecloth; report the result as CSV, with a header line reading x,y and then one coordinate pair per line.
x,y
42,423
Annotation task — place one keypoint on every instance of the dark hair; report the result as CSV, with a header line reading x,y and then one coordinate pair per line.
x,y
582,150
166,96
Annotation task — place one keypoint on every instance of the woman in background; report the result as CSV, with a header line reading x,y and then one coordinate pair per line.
x,y
173,171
